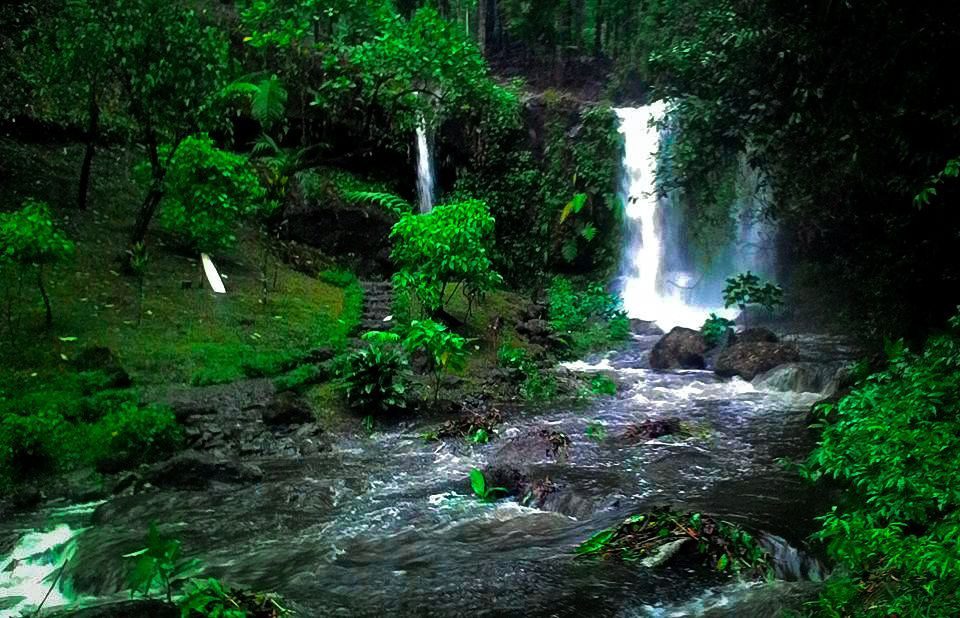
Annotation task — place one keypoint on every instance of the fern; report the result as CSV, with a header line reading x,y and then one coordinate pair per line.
x,y
391,202
268,104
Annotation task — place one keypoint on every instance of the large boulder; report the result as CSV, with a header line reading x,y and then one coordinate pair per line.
x,y
681,348
645,328
197,471
287,409
757,334
747,360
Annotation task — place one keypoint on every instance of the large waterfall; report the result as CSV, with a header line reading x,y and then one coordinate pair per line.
x,y
424,167
659,278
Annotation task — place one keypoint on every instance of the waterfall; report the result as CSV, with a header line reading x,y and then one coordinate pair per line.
x,y
658,278
424,167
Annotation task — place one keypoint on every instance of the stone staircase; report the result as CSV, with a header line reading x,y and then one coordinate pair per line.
x,y
377,304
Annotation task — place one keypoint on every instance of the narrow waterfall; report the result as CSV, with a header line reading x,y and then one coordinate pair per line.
x,y
659,279
424,167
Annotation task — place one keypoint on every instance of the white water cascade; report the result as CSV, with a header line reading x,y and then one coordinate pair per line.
x,y
425,179
658,280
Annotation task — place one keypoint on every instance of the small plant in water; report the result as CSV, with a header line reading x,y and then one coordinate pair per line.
x,y
596,431
603,385
479,485
479,436
160,566
368,424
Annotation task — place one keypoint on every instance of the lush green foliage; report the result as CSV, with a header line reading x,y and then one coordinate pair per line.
x,y
299,378
583,230
445,351
375,376
748,289
207,193
443,252
590,318
894,443
603,385
478,483
715,328
80,420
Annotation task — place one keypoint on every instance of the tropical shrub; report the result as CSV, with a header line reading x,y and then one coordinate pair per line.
x,y
443,252
445,351
375,376
715,328
748,289
603,385
207,192
512,357
894,442
29,445
589,318
160,566
31,240
133,435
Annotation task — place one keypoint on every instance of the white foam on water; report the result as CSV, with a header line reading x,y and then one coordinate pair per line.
x,y
28,572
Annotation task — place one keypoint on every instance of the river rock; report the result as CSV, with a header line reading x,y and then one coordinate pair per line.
x,y
802,377
747,360
645,328
287,409
197,471
758,334
140,608
681,348
651,429
533,446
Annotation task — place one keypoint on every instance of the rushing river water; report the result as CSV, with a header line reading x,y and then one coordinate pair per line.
x,y
386,525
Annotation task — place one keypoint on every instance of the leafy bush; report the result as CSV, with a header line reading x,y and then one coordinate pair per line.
x,y
207,192
443,252
375,377
590,318
160,566
337,277
446,351
539,385
715,328
749,289
30,239
512,357
30,445
133,435
895,442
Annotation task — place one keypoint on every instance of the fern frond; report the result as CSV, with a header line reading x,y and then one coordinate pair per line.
x,y
268,104
391,202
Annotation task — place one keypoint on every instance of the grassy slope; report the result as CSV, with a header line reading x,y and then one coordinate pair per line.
x,y
186,334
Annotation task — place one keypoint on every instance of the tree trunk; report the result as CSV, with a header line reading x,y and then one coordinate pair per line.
x,y
43,293
598,30
155,194
93,133
482,8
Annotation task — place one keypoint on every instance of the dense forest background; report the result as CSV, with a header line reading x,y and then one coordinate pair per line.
x,y
848,108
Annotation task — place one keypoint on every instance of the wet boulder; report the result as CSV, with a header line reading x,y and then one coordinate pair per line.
x,y
287,409
802,377
651,428
198,471
681,348
645,328
757,334
748,360
533,446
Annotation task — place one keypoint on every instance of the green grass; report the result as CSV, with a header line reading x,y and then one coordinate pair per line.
x,y
186,335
